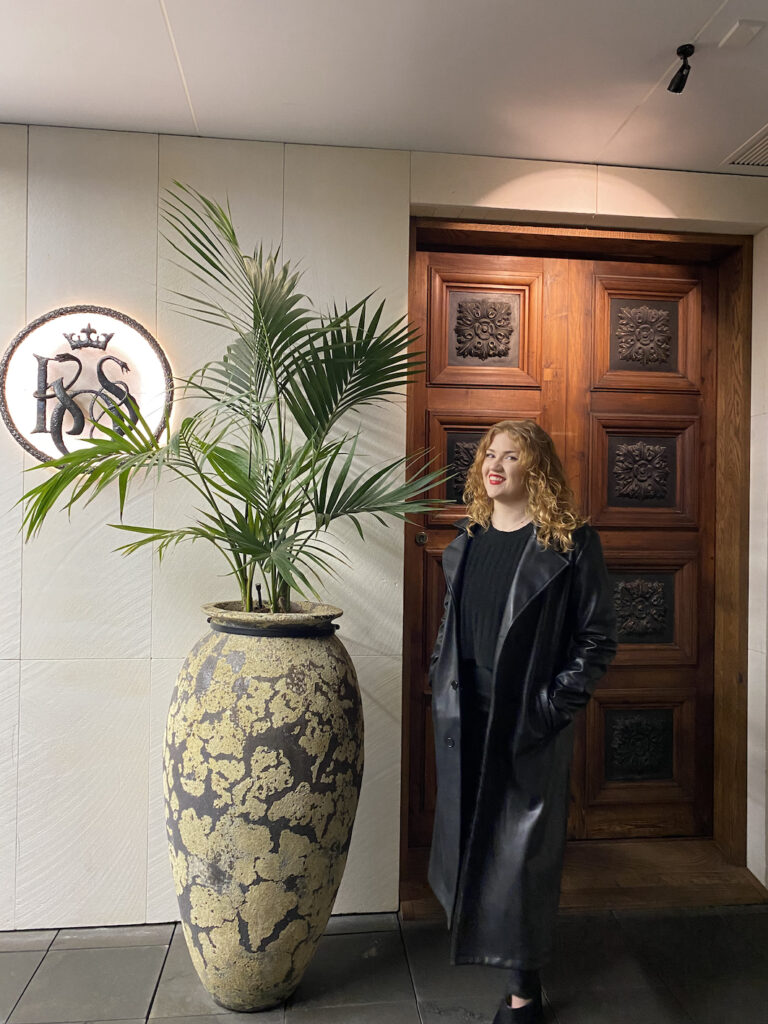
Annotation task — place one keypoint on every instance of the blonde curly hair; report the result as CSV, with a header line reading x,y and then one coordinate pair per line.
x,y
551,502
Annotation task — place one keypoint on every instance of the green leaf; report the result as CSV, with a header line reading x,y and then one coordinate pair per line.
x,y
260,496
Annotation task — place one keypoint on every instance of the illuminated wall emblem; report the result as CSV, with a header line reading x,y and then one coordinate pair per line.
x,y
65,370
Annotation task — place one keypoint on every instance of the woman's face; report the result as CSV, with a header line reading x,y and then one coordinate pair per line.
x,y
502,475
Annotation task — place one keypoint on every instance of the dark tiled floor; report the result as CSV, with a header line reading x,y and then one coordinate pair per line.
x,y
700,966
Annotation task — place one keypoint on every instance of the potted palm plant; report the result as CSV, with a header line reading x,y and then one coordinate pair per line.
x,y
263,752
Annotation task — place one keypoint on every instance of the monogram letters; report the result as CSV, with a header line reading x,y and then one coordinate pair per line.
x,y
75,369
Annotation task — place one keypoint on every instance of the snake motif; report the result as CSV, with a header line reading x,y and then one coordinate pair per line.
x,y
111,395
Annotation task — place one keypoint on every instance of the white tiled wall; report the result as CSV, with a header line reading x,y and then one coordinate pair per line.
x,y
79,597
458,183
371,872
250,176
92,221
92,239
82,818
93,640
161,898
90,642
347,219
545,191
13,254
9,779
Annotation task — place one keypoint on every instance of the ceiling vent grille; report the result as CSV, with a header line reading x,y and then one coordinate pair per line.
x,y
754,152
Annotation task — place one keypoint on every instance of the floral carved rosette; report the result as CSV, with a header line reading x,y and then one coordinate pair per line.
x,y
483,328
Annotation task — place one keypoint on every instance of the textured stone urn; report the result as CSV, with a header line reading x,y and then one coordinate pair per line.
x,y
262,766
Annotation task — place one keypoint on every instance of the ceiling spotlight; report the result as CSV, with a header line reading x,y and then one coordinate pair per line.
x,y
680,77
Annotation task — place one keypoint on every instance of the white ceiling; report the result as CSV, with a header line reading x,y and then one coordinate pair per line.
x,y
575,80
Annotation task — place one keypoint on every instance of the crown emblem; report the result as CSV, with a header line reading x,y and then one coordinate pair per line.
x,y
88,338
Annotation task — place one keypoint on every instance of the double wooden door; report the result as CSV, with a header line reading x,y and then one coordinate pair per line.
x,y
616,361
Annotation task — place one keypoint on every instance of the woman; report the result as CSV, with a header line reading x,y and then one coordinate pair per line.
x,y
528,630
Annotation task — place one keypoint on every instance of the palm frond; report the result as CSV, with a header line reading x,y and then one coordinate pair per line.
x,y
264,501
349,365
376,491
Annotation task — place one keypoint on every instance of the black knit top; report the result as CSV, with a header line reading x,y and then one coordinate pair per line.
x,y
492,559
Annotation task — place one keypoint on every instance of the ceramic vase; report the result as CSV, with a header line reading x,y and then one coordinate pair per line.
x,y
262,766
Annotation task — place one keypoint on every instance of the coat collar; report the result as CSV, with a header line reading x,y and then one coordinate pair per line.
x,y
536,569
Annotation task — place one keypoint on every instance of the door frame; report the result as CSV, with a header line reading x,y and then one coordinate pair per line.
x,y
731,256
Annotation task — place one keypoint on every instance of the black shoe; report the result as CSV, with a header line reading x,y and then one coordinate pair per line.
x,y
531,1013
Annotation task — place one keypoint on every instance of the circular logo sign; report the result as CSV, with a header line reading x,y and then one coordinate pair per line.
x,y
62,374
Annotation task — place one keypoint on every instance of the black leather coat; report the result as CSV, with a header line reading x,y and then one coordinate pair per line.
x,y
557,637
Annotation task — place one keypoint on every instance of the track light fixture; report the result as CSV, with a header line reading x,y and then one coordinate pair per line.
x,y
680,77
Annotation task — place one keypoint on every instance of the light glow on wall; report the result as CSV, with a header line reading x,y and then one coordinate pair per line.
x,y
63,368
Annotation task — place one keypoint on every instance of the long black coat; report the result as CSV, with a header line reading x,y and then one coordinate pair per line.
x,y
557,637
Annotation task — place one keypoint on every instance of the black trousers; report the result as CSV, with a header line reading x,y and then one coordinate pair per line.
x,y
475,709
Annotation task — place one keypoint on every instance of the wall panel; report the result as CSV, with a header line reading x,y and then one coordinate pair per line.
x,y
13,255
92,239
161,895
9,778
82,827
250,176
346,218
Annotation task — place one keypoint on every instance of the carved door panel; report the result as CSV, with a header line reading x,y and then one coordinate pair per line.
x,y
616,362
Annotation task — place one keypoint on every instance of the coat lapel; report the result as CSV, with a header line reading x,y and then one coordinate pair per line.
x,y
453,559
535,570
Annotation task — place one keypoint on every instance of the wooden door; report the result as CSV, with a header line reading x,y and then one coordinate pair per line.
x,y
616,361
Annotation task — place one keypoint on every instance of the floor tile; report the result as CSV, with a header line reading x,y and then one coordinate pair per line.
x,y
91,984
362,968
16,941
708,962
442,1012
724,999
651,1005
700,965
181,995
228,1017
358,1013
592,952
744,908
747,937
680,946
348,923
127,935
16,969
467,989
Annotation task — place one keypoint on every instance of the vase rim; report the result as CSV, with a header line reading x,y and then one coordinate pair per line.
x,y
302,613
